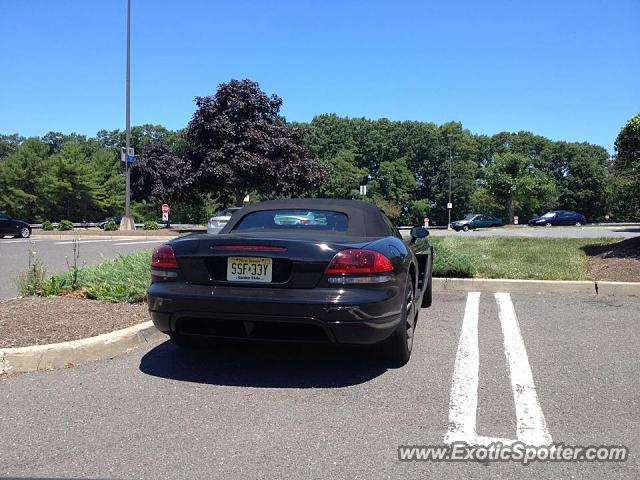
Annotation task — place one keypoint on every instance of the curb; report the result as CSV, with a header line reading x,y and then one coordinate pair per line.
x,y
76,352
536,286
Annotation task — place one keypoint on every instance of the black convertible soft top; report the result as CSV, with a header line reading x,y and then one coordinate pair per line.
x,y
365,219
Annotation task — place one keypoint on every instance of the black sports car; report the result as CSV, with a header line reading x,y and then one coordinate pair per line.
x,y
307,270
15,228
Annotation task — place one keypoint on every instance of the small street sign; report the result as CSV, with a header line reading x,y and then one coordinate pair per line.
x,y
449,205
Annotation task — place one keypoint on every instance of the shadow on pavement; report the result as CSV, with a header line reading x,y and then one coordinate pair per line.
x,y
628,229
629,248
263,365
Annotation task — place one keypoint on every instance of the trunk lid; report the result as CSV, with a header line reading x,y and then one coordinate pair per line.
x,y
297,261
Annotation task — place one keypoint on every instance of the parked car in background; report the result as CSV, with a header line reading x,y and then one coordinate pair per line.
x,y
12,227
218,222
476,220
350,279
558,217
115,218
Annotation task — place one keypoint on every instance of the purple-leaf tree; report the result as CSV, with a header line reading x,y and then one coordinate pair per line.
x,y
239,142
160,174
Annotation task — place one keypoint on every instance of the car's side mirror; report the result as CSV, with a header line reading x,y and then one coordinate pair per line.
x,y
418,232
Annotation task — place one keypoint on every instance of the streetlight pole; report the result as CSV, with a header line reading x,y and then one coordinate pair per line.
x,y
449,203
127,222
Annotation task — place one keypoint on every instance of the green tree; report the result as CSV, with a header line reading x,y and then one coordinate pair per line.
x,y
514,182
72,188
22,177
625,186
343,176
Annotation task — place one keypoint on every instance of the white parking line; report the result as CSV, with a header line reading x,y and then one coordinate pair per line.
x,y
531,424
146,241
91,241
463,403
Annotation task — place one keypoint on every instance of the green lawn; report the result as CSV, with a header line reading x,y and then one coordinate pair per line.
x,y
513,257
126,278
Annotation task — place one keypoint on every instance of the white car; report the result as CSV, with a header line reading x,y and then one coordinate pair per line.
x,y
218,222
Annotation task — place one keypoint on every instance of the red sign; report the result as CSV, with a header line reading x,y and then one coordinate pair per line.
x,y
165,208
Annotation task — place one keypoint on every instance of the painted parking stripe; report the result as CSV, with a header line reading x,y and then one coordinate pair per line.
x,y
463,403
531,424
69,242
145,241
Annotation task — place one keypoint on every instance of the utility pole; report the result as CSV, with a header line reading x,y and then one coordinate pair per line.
x,y
449,204
127,222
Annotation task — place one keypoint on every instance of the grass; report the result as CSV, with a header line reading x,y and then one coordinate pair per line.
x,y
125,278
513,257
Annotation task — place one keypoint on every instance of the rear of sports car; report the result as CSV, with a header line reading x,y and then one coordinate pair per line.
x,y
291,287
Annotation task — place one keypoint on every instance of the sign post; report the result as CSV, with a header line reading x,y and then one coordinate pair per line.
x,y
449,207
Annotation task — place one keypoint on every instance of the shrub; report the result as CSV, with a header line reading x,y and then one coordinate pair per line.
x,y
151,225
65,225
121,279
47,226
33,279
111,225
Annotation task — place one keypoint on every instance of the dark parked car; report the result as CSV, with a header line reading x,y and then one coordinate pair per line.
x,y
348,277
115,218
558,217
12,227
476,220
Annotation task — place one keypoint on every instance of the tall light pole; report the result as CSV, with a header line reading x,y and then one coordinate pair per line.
x,y
127,222
449,205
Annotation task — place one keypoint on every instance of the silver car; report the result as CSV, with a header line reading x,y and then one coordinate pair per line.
x,y
218,222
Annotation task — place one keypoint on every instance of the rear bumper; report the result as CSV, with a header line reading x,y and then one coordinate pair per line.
x,y
333,315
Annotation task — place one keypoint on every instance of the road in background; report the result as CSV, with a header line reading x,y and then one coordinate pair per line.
x,y
559,232
258,411
56,251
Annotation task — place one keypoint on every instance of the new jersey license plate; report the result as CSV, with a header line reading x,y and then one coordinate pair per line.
x,y
249,269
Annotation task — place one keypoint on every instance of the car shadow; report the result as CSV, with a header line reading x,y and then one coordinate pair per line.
x,y
628,248
627,230
267,365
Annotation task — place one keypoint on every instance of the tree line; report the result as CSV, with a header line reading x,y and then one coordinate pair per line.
x,y
238,144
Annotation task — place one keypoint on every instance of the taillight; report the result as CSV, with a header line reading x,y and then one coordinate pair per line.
x,y
164,257
359,261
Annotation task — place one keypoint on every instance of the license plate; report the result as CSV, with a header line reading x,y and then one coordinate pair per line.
x,y
249,269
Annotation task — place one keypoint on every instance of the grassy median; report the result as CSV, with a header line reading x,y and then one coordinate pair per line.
x,y
514,257
126,278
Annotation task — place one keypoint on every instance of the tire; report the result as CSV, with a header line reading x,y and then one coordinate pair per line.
x,y
397,348
578,224
465,228
24,232
547,224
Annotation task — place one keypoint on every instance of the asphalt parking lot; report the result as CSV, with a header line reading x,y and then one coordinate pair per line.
x,y
531,367
558,232
56,251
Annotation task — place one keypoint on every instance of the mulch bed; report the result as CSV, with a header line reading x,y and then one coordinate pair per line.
x,y
39,321
616,262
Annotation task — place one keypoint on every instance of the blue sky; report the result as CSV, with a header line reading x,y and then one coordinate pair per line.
x,y
568,70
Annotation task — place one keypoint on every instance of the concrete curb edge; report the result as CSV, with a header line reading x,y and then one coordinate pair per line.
x,y
589,287
76,352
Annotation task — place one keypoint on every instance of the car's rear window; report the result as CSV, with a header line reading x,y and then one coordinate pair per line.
x,y
302,220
